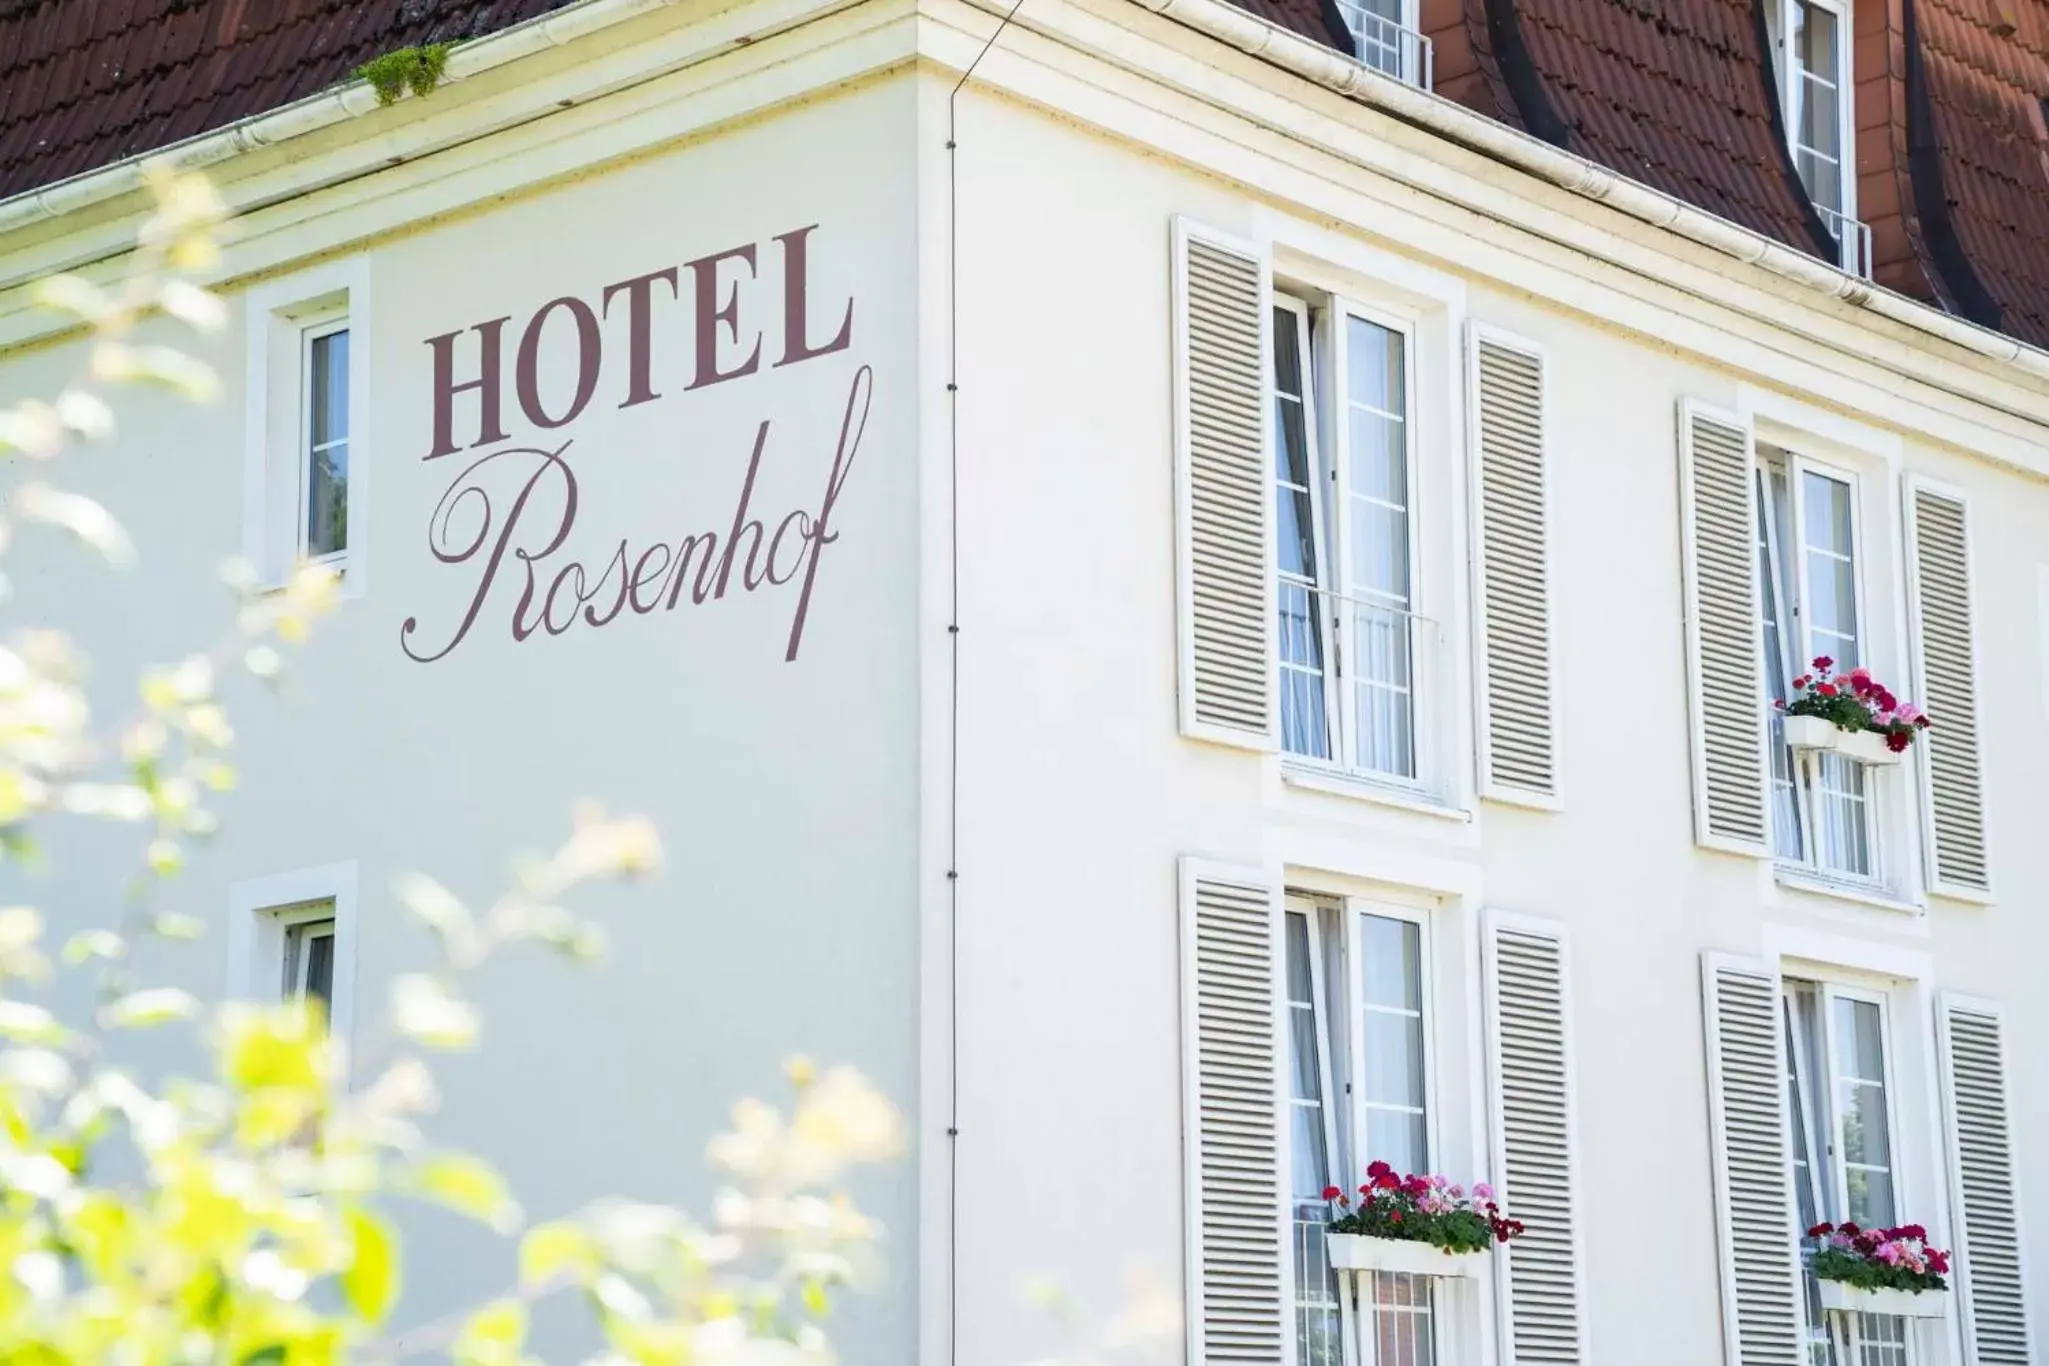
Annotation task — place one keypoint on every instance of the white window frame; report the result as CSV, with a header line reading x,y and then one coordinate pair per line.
x,y
1791,95
1886,835
1834,987
1413,56
294,922
282,319
311,330
1321,319
1323,570
1448,1338
262,909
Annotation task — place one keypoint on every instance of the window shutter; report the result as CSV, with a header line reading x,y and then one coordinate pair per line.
x,y
1237,1250
1761,1312
1941,561
1518,718
1223,306
1724,647
1988,1235
1529,1042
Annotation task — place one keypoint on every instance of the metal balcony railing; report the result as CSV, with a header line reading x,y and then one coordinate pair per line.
x,y
1853,241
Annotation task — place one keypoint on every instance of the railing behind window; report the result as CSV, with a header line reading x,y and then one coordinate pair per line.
x,y
1387,46
1391,1317
1853,241
1376,722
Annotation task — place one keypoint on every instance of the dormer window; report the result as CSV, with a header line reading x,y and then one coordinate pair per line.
x,y
1385,37
1812,42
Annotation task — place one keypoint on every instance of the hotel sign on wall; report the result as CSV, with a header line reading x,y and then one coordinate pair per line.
x,y
507,520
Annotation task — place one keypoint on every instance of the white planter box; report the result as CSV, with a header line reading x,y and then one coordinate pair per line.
x,y
1866,746
1356,1252
1906,1304
1814,733
1810,732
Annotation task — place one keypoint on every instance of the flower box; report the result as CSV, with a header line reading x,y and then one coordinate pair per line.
x,y
1818,733
1357,1252
1866,747
1811,732
1906,1304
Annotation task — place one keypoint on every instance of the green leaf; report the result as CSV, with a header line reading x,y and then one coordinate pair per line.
x,y
154,1006
555,1249
272,1355
371,1280
493,1335
468,1186
426,1012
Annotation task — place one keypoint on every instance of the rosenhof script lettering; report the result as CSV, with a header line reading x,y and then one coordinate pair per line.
x,y
509,518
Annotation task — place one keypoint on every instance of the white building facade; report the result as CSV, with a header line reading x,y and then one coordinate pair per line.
x,y
1203,615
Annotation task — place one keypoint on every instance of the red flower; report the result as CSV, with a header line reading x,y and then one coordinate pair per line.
x,y
1896,740
1914,1231
1821,1230
1826,689
1377,1168
1849,1229
1386,1181
1333,1193
1395,1217
1886,701
1938,1262
1922,723
1822,664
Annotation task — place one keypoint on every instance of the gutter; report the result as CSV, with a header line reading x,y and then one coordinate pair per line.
x,y
315,112
1333,70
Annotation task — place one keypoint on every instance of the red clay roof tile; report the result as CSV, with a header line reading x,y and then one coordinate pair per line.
x,y
87,82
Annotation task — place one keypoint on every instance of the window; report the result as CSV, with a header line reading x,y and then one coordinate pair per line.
x,y
1840,1102
309,953
1812,37
1387,39
324,473
304,466
1353,651
1359,1091
292,936
1824,806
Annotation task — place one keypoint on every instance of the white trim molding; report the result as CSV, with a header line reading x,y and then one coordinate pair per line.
x,y
258,911
277,315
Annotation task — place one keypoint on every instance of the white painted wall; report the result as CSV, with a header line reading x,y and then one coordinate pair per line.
x,y
785,792
810,808
1077,795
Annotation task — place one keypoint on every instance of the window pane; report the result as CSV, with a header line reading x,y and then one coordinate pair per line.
x,y
1788,839
1817,93
1859,1045
1318,1339
320,967
1393,1063
1397,1139
1374,357
1828,521
1305,725
1390,967
327,455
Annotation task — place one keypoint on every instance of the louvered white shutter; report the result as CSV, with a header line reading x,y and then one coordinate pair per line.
x,y
1944,644
1238,1269
1724,632
1518,715
1222,321
1529,1041
1988,1234
1761,1313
